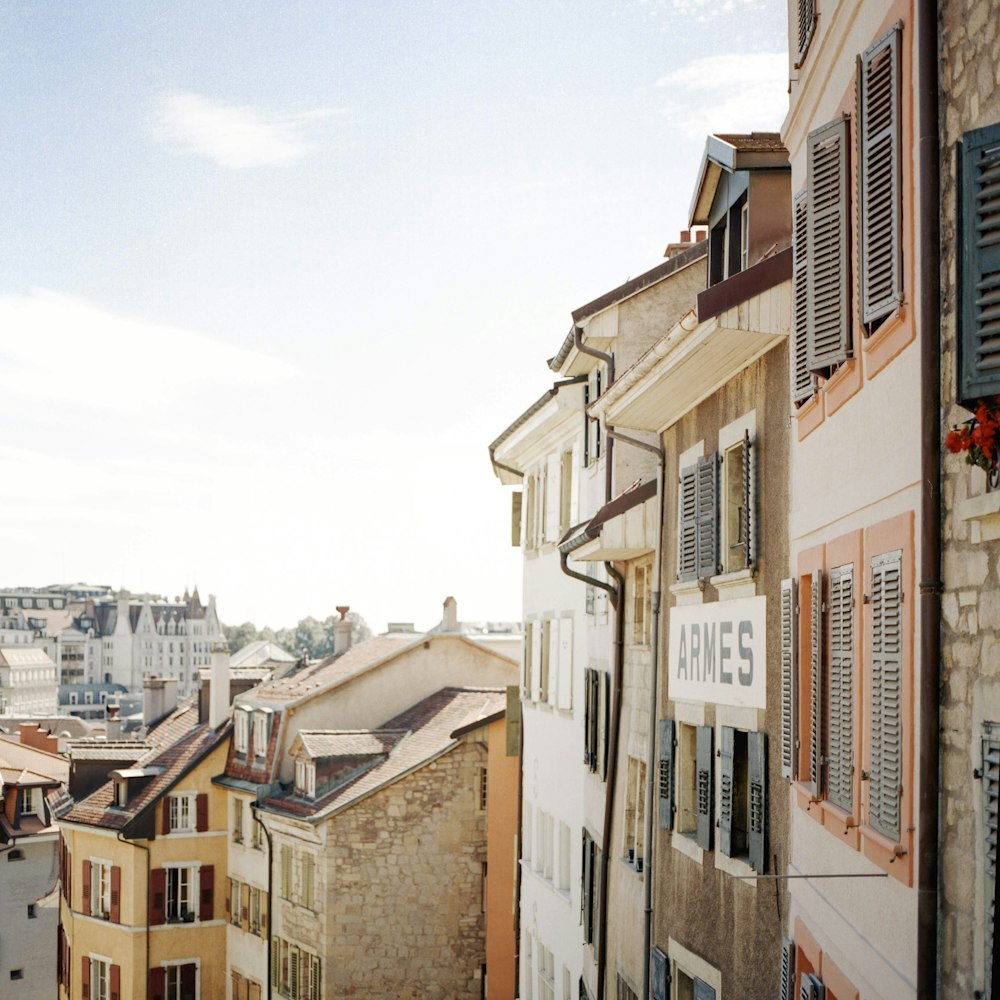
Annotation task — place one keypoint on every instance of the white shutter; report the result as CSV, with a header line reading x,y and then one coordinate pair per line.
x,y
564,687
803,381
574,486
840,735
789,680
818,686
552,497
536,660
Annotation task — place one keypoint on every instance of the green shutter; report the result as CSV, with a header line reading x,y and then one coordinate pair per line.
x,y
703,768
880,176
978,239
786,989
789,679
687,536
666,776
708,515
803,381
828,310
817,684
886,777
840,732
727,790
757,786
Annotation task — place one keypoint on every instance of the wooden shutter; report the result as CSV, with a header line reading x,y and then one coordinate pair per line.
x,y
515,519
564,679
978,239
596,902
886,776
546,661
116,894
708,515
286,872
789,679
245,908
786,989
157,983
293,972
263,914
828,263
536,660
806,26
189,977
816,678
201,812
229,898
552,498
659,976
315,977
276,963
700,990
666,777
589,720
85,881
840,732
881,217
991,801
115,981
748,512
703,768
727,779
810,988
687,532
206,884
604,747
757,782
157,895
586,876
85,976
309,881
254,991
165,816
529,628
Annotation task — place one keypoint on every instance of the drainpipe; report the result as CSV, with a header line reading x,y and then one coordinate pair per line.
x,y
142,847
609,360
929,319
254,806
654,648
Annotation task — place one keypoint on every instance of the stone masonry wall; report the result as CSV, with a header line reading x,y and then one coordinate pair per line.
x,y
970,694
404,872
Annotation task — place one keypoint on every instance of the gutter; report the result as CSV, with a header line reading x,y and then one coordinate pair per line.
x,y
928,204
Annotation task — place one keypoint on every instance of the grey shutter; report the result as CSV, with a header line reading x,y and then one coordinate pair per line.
x,y
749,500
605,749
881,217
817,714
786,990
886,776
757,781
701,990
789,679
803,381
596,894
666,782
703,768
727,778
810,988
979,242
991,799
687,533
828,310
658,976
588,717
806,26
840,734
708,515
586,873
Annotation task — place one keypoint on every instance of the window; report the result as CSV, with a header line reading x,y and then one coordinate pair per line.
x,y
305,778
254,910
635,801
241,736
529,974
260,733
592,427
623,991
544,855
546,974
100,978
180,899
237,820
256,834
543,682
31,800
665,786
100,888
642,578
180,981
596,720
32,914
567,492
590,894
692,988
805,27
17,973
744,234
235,902
183,812
529,637
698,530
743,796
978,239
15,855
694,783
295,972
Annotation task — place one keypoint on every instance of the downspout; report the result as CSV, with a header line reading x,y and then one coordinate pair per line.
x,y
928,203
609,360
654,649
142,847
254,806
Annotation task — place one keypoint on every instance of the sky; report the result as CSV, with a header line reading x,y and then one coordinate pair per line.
x,y
274,274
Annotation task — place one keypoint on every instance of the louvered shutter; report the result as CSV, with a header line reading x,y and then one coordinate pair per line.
x,y
817,713
979,243
727,790
886,777
158,983
881,217
276,963
828,259
840,733
786,989
85,977
748,512
115,982
165,816
991,801
806,26
589,719
229,897
293,972
263,914
245,907
552,498
564,678
586,872
85,882
315,982
666,776
658,975
206,885
157,896
201,812
286,872
810,988
708,515
789,679
536,660
703,767
598,869
687,535
803,381
700,990
529,628
189,978
757,787
604,747
116,894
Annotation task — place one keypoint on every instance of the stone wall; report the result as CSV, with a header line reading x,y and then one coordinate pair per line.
x,y
970,89
403,871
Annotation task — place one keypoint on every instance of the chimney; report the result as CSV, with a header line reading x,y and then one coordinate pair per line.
x,y
449,620
342,631
159,698
218,692
113,725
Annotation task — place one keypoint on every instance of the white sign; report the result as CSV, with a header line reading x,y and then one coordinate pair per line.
x,y
718,653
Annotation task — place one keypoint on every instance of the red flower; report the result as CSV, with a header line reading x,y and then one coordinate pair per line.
x,y
955,443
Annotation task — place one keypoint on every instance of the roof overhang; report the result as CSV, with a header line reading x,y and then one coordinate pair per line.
x,y
624,528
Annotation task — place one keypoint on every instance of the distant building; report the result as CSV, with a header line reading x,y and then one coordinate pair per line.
x,y
28,682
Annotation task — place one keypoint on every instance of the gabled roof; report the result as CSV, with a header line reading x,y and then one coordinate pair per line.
x,y
262,651
19,756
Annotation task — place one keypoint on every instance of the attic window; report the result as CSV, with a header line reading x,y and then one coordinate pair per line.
x,y
305,778
121,792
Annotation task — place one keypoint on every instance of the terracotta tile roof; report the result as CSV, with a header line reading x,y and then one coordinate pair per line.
x,y
753,142
126,750
19,756
429,726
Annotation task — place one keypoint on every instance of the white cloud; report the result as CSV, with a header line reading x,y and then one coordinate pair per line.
x,y
697,10
233,135
736,92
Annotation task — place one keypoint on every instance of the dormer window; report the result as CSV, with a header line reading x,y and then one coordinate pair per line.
x,y
30,801
242,733
305,778
261,727
121,792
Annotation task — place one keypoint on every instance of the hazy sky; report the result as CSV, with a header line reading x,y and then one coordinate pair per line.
x,y
273,275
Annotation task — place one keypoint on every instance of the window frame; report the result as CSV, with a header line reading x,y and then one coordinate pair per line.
x,y
183,807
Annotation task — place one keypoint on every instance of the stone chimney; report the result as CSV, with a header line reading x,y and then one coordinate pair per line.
x,y
449,620
113,723
342,631
218,692
159,698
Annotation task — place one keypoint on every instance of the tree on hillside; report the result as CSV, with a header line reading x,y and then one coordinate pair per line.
x,y
309,637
